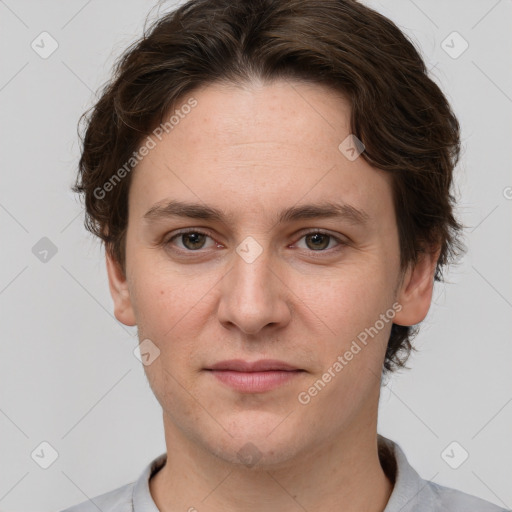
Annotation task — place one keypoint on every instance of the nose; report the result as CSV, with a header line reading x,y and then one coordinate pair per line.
x,y
254,295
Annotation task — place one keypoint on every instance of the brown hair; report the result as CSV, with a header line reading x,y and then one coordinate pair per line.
x,y
401,116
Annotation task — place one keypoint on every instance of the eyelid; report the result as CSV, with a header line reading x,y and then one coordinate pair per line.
x,y
340,242
184,231
312,231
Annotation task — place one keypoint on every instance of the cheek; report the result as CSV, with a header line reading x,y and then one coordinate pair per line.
x,y
350,305
348,297
164,299
173,309
351,351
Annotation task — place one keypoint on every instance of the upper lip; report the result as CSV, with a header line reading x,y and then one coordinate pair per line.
x,y
263,365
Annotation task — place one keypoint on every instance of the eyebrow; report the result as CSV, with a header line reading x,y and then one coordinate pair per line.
x,y
174,208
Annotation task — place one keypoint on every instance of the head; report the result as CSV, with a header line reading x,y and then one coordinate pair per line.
x,y
246,112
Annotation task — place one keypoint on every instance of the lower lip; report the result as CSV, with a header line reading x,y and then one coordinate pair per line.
x,y
255,382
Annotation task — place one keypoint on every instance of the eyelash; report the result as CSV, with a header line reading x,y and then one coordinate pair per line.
x,y
168,242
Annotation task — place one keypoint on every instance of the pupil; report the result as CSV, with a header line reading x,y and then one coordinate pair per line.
x,y
316,238
194,237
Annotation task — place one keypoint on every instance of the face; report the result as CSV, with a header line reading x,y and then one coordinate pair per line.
x,y
291,254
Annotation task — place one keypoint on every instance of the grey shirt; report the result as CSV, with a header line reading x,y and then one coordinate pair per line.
x,y
410,492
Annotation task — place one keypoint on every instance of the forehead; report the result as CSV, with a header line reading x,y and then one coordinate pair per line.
x,y
259,146
249,118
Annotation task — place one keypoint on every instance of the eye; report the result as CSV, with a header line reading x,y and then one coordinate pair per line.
x,y
320,241
192,240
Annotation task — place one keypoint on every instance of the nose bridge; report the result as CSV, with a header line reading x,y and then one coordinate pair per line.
x,y
252,271
253,296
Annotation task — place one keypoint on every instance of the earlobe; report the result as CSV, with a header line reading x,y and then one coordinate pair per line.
x,y
119,291
415,293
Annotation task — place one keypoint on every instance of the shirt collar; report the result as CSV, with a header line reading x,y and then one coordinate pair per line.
x,y
141,498
410,491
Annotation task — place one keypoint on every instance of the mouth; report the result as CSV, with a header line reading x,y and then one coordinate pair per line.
x,y
254,377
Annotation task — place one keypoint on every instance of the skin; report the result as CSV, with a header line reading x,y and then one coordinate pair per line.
x,y
252,152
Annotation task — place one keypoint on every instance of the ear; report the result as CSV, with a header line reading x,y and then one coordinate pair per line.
x,y
118,285
415,292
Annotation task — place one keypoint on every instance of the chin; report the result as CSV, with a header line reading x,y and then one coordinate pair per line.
x,y
258,443
256,455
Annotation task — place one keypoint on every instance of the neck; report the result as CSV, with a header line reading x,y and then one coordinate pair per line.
x,y
346,470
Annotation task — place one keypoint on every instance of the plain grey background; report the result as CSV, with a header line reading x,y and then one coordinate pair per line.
x,y
68,374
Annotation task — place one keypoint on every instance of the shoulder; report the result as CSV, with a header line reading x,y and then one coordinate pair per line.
x,y
446,498
412,493
133,496
118,500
